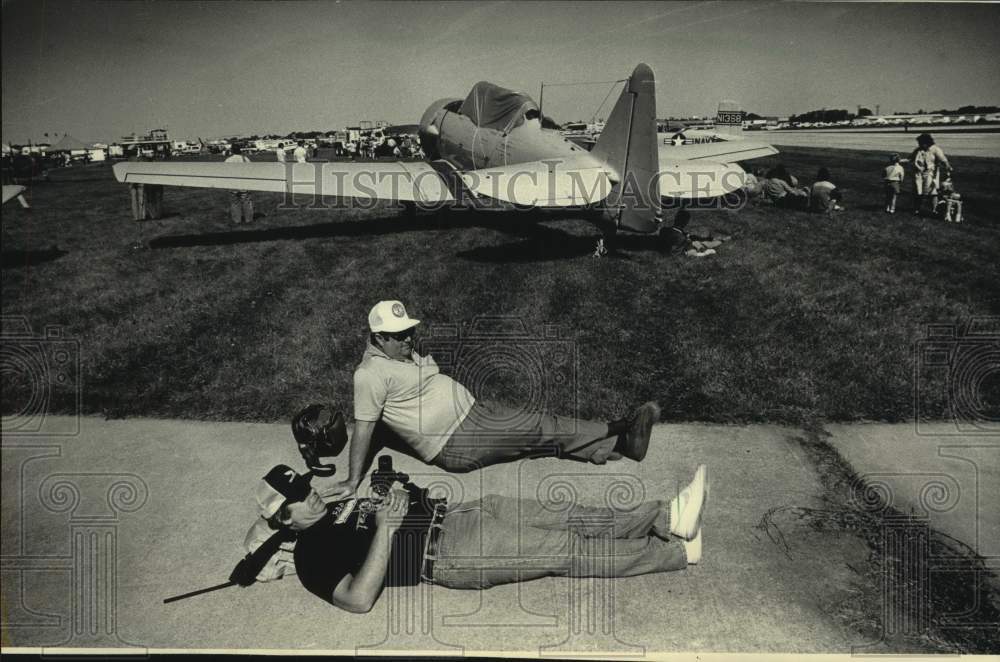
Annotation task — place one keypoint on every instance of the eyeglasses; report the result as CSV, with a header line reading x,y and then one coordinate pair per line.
x,y
399,336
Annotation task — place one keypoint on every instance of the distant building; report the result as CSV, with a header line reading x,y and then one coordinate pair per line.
x,y
155,144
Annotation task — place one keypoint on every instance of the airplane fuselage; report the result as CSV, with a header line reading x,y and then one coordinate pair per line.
x,y
448,135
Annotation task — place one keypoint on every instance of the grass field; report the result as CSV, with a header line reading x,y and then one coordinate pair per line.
x,y
798,318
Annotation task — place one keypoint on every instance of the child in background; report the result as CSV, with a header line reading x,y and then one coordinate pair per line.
x,y
950,206
892,180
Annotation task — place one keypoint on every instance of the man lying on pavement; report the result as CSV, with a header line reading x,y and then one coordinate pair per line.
x,y
347,551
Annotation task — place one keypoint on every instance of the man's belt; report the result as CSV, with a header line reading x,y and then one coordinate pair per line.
x,y
432,543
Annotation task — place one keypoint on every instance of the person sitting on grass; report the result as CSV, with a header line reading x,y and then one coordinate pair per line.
x,y
677,238
781,172
779,190
346,552
753,183
824,196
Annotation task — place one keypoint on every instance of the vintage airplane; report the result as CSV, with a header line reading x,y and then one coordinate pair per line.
x,y
489,151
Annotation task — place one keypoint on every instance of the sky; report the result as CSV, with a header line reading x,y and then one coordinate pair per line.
x,y
100,70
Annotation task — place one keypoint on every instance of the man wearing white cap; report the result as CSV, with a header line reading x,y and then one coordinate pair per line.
x,y
347,551
444,425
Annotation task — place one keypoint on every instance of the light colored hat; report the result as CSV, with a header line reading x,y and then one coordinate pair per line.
x,y
390,316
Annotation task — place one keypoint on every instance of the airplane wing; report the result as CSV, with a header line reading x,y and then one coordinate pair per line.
x,y
724,151
550,183
699,179
11,191
398,181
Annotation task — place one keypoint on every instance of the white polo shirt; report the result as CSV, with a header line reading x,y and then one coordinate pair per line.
x,y
415,400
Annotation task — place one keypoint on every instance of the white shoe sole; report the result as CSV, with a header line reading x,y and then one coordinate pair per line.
x,y
690,529
693,549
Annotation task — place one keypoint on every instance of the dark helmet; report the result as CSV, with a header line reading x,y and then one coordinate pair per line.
x,y
320,431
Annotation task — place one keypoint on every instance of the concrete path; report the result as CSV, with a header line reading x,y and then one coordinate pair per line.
x,y
103,523
948,475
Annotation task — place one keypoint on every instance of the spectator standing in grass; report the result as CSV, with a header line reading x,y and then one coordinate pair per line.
x,y
300,152
824,196
892,181
280,153
137,193
147,199
928,161
240,202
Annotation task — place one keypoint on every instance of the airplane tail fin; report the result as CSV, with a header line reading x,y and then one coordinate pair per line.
x,y
729,119
628,146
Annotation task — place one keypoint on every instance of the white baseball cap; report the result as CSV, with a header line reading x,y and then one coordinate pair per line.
x,y
390,316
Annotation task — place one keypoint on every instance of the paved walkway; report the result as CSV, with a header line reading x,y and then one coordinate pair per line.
x,y
100,525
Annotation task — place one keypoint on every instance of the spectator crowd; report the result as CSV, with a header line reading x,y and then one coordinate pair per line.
x,y
934,192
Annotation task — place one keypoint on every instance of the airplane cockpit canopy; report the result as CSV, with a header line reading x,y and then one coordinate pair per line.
x,y
490,106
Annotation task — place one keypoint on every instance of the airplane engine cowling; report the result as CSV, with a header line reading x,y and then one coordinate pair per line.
x,y
430,127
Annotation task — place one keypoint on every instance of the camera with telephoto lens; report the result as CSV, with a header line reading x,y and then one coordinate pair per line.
x,y
422,505
384,476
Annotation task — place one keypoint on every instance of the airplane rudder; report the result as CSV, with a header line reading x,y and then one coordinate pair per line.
x,y
637,102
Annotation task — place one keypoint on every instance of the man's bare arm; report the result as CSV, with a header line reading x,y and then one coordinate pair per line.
x,y
359,593
361,441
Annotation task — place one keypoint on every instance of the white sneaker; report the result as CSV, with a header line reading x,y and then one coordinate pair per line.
x,y
692,549
687,507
